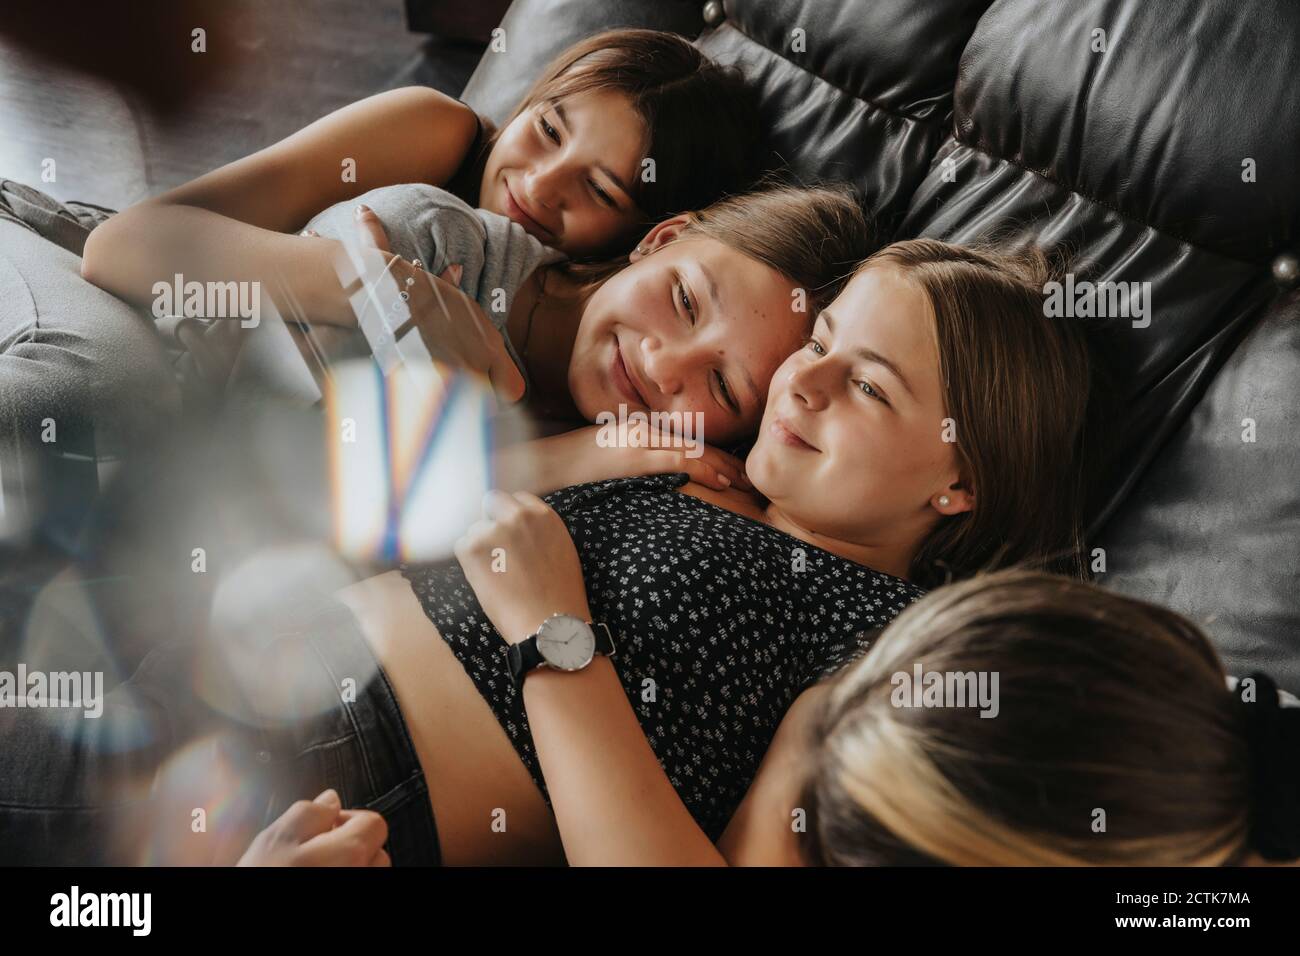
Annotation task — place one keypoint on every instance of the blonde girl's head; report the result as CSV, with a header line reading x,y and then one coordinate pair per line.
x,y
1115,740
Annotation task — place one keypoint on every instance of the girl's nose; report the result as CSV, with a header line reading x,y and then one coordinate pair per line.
x,y
807,382
545,185
672,363
658,365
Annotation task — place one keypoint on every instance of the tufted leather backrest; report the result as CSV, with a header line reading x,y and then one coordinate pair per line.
x,y
1152,143
854,92
1148,109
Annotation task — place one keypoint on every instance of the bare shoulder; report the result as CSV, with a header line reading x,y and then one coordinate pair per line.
x,y
433,103
762,831
420,118
425,98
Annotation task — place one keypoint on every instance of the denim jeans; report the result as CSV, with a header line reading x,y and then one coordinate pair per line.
x,y
199,750
69,351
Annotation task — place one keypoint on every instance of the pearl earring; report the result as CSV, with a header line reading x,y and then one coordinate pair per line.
x,y
944,501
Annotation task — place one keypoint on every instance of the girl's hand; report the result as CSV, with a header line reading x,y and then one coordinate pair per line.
x,y
321,833
213,348
452,325
522,564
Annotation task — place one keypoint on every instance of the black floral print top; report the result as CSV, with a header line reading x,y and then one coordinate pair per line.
x,y
719,622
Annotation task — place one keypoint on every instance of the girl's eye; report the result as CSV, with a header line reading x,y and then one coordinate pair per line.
x,y
603,196
867,388
870,390
726,393
550,131
685,301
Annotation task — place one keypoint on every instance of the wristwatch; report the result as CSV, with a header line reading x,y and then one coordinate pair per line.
x,y
563,642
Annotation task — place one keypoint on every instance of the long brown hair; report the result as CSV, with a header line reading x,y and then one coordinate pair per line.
x,y
700,116
1016,387
1115,739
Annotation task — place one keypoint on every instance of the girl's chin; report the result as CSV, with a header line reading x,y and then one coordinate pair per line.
x,y
759,457
590,392
490,197
767,460
589,404
757,466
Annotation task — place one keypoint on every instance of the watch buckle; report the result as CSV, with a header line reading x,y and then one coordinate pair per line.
x,y
609,637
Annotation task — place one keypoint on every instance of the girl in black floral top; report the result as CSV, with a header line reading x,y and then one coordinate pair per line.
x,y
719,623
916,435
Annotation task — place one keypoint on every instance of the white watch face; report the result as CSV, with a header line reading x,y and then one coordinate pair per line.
x,y
566,642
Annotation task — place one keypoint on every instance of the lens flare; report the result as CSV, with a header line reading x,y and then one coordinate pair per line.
x,y
410,458
256,662
205,807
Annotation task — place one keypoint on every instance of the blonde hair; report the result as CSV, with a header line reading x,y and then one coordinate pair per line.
x,y
1111,711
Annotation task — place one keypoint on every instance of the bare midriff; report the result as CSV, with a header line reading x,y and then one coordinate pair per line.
x,y
486,806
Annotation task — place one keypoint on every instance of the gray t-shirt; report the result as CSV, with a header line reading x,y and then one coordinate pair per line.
x,y
430,224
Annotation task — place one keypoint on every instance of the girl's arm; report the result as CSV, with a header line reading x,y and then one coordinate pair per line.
x,y
236,223
613,803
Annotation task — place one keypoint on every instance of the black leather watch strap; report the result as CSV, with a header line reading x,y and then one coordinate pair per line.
x,y
522,657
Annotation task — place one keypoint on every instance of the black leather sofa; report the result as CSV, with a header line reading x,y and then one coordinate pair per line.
x,y
1163,149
